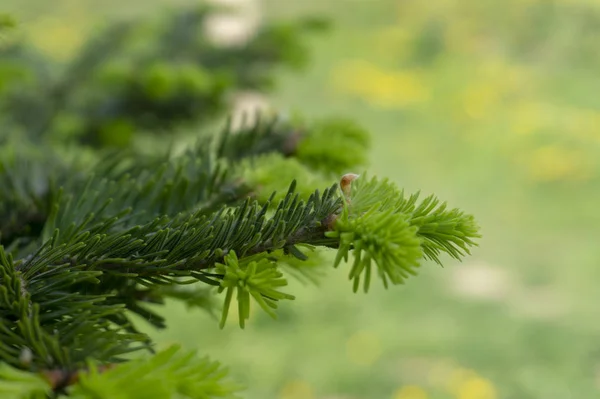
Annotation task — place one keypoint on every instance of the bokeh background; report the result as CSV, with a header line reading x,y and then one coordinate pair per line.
x,y
491,104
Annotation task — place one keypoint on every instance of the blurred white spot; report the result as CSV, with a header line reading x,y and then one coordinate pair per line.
x,y
247,106
229,29
235,26
480,281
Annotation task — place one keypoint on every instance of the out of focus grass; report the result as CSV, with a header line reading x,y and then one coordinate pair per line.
x,y
492,105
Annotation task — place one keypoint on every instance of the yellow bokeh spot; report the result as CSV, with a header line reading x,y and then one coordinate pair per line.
x,y
58,38
552,163
457,378
467,384
492,82
296,390
363,348
62,32
476,388
528,118
410,392
480,99
380,87
582,123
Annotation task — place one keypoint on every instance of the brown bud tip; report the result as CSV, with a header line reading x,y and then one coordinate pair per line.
x,y
329,222
346,181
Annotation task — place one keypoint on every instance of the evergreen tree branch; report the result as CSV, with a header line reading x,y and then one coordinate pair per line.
x,y
170,373
96,247
87,240
33,311
118,84
18,384
384,227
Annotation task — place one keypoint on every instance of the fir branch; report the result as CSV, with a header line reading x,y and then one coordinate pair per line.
x,y
25,187
333,145
253,139
90,239
170,373
32,315
18,384
440,229
381,226
151,75
101,249
256,277
93,260
182,244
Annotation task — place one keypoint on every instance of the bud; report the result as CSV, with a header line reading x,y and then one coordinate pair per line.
x,y
346,181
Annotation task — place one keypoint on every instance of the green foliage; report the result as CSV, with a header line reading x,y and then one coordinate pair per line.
x,y
304,268
379,224
143,75
334,145
97,240
192,297
383,237
91,236
439,229
255,276
18,384
168,374
312,153
268,172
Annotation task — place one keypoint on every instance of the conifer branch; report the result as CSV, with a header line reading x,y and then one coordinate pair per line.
x,y
381,226
88,239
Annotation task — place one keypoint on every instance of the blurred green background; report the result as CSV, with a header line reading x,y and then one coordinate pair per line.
x,y
493,105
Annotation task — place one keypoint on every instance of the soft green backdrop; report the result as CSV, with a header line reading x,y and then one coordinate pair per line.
x,y
492,105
